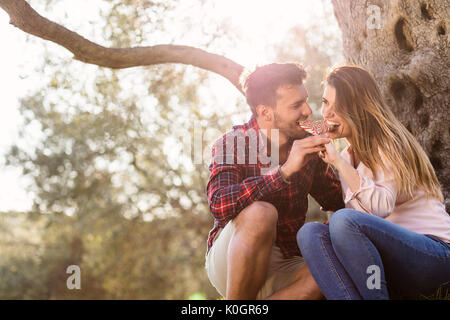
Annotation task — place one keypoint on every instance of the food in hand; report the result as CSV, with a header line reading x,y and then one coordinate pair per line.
x,y
315,127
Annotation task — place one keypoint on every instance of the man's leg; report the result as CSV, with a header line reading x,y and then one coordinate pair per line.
x,y
249,250
304,287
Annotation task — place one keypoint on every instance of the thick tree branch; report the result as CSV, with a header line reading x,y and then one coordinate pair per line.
x,y
24,17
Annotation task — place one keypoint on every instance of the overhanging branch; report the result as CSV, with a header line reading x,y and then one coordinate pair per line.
x,y
24,17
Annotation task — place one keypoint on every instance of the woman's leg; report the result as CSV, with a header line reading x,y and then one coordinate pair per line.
x,y
314,242
413,263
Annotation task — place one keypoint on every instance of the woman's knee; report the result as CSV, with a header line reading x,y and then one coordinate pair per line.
x,y
308,235
345,222
344,219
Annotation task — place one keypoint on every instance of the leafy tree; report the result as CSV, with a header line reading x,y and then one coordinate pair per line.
x,y
118,198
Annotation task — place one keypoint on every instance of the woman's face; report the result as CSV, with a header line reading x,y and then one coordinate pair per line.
x,y
339,128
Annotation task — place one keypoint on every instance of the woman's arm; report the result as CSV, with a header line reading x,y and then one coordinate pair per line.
x,y
349,174
346,171
372,196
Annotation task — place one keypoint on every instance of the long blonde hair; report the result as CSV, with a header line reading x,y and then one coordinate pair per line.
x,y
377,133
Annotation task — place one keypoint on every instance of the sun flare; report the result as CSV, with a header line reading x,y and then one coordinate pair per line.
x,y
261,23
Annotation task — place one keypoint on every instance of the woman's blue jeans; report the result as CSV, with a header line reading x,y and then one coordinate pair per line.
x,y
361,256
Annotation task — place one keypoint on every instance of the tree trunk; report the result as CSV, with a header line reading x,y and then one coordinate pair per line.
x,y
404,44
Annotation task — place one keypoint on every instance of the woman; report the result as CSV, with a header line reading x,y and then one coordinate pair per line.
x,y
393,238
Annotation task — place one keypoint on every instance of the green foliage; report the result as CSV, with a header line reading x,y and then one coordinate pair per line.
x,y
111,192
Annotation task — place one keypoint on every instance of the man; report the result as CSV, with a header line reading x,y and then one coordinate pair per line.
x,y
258,206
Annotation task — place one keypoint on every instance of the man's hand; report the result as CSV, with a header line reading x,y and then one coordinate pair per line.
x,y
301,152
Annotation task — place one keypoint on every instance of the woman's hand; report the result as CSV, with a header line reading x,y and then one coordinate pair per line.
x,y
330,155
346,171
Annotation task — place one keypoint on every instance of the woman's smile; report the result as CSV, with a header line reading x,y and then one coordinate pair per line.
x,y
333,125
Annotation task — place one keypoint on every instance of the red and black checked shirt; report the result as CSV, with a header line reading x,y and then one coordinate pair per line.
x,y
236,181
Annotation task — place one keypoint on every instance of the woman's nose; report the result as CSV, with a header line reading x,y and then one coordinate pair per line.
x,y
326,112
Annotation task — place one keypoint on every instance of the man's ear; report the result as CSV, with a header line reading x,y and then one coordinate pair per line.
x,y
264,112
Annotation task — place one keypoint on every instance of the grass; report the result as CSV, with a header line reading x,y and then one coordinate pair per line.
x,y
439,295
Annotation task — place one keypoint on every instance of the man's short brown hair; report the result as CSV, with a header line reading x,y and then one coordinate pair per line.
x,y
261,84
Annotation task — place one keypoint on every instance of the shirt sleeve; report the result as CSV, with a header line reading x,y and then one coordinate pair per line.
x,y
375,197
326,188
229,192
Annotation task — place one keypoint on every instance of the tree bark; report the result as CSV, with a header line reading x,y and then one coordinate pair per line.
x,y
408,54
24,17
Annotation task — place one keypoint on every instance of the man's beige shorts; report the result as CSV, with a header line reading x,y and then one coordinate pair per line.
x,y
280,274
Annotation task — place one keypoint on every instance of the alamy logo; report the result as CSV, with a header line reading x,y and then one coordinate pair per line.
x,y
374,280
374,20
74,281
248,147
236,147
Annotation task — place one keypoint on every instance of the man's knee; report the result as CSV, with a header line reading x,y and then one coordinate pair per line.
x,y
260,217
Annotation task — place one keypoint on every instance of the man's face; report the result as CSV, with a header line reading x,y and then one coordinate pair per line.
x,y
291,108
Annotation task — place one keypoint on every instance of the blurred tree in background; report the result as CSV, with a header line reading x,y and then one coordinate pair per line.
x,y
116,186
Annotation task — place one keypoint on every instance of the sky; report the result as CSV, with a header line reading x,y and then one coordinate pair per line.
x,y
260,22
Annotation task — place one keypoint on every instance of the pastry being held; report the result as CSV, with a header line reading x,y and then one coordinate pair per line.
x,y
315,127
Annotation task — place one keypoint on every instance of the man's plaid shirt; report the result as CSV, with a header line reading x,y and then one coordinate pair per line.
x,y
236,182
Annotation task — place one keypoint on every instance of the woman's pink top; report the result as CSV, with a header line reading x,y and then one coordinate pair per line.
x,y
380,197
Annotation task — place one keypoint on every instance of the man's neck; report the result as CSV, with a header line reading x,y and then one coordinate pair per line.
x,y
283,142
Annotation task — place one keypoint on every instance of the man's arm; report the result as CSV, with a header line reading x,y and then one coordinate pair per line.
x,y
229,193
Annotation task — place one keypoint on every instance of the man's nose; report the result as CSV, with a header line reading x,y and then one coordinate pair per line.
x,y
307,111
